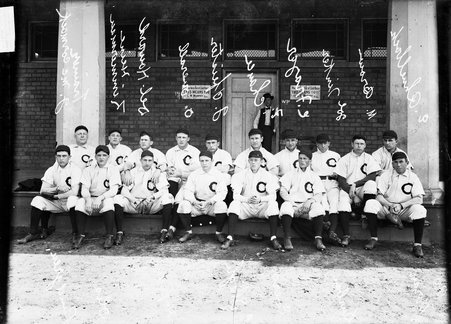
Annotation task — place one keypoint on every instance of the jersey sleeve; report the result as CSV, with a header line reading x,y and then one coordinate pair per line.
x,y
75,174
340,169
383,182
86,178
318,187
161,158
372,165
240,161
114,176
273,184
285,181
189,188
272,162
417,188
48,176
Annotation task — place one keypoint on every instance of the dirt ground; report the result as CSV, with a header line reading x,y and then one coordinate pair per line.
x,y
143,281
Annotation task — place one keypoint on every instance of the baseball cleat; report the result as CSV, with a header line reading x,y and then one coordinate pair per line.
x,y
418,251
74,239
276,245
163,236
371,244
78,242
119,238
319,244
220,238
30,237
186,237
108,242
228,243
346,240
334,238
287,244
169,235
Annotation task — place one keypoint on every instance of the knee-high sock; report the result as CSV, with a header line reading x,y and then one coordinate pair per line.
x,y
166,213
367,197
333,218
286,223
220,221
372,224
35,217
273,225
186,221
73,220
81,221
118,216
418,226
45,216
233,220
318,225
108,220
174,215
344,221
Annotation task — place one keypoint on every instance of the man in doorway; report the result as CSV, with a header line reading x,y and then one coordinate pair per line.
x,y
265,121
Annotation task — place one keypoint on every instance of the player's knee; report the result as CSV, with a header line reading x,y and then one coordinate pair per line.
x,y
38,202
184,207
370,187
108,205
234,207
71,202
119,200
220,207
273,208
372,206
418,211
316,209
286,209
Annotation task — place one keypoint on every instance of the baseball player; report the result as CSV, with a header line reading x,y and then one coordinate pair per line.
x,y
254,195
356,173
323,164
399,195
145,143
204,194
100,183
302,191
269,162
118,151
82,154
288,157
265,121
58,194
144,196
383,155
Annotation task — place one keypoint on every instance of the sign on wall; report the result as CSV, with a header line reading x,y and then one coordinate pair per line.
x,y
314,91
196,92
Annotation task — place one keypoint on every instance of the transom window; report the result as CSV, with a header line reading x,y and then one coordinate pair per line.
x,y
256,39
43,41
312,36
374,38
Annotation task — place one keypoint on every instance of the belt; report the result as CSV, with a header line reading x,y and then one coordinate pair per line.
x,y
328,177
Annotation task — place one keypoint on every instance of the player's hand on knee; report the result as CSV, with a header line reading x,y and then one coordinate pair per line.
x,y
155,176
63,188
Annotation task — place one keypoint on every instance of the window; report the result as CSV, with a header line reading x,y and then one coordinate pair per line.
x,y
173,35
129,34
43,44
374,38
312,36
256,39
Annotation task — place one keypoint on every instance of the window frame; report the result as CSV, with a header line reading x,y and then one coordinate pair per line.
x,y
30,40
363,20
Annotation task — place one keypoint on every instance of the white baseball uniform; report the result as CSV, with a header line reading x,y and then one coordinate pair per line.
x,y
82,155
261,184
301,186
186,160
118,155
134,159
384,158
222,158
323,164
268,162
288,160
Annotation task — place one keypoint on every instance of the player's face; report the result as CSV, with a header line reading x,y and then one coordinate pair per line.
x,y
182,139
304,161
256,141
145,142
205,163
115,138
323,147
147,162
212,145
62,158
102,158
291,143
81,137
390,144
254,163
358,146
400,165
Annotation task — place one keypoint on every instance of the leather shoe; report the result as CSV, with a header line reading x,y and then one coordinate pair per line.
x,y
371,244
74,239
276,245
44,234
287,244
119,238
169,234
220,238
30,237
108,242
187,236
163,236
334,238
418,251
78,242
228,243
345,240
319,244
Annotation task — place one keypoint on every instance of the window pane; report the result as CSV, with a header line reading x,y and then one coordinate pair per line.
x,y
172,36
374,38
44,41
129,34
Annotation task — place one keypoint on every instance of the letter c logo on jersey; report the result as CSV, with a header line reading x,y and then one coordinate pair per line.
x,y
296,164
218,163
119,160
212,186
407,188
187,160
261,187
150,185
85,158
331,162
263,164
106,184
363,168
68,181
308,187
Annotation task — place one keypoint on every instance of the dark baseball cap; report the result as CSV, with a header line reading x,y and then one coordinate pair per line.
x,y
206,153
62,148
305,151
103,148
389,134
211,137
289,133
322,138
255,154
146,153
398,155
80,127
255,131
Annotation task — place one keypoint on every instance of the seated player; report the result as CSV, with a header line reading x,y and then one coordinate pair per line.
x,y
323,164
383,155
58,194
254,195
356,173
118,151
302,191
100,183
269,162
144,196
204,194
288,157
400,195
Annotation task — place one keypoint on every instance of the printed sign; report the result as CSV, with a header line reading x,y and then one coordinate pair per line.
x,y
197,92
314,91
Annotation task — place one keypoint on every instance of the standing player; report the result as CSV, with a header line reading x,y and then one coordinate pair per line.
x,y
288,157
254,195
323,164
204,195
82,154
265,122
302,191
58,194
144,196
383,155
118,151
400,195
269,162
356,173
100,183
